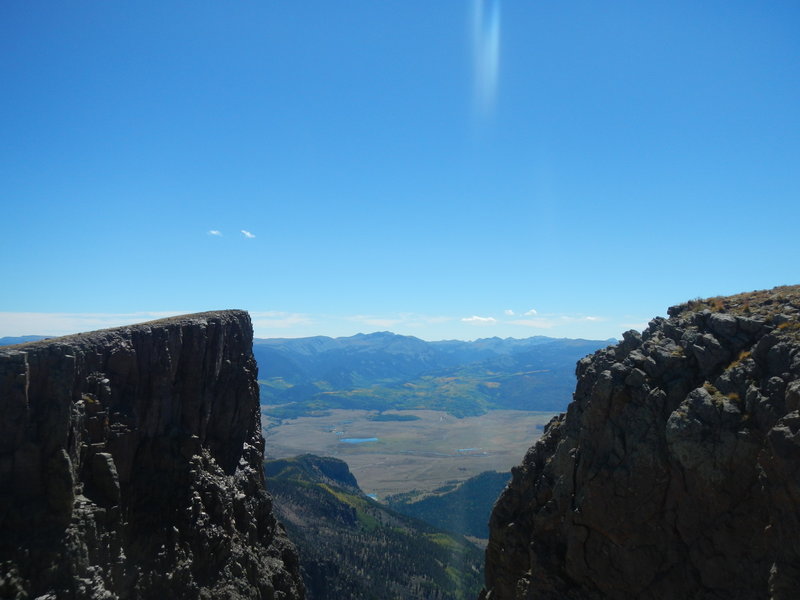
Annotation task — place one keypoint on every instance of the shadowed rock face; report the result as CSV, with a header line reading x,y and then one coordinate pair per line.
x,y
675,472
130,466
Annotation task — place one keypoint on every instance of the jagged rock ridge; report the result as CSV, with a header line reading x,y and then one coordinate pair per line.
x,y
130,466
675,472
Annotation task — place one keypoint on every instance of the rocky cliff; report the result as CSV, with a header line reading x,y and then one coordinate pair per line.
x,y
675,472
130,467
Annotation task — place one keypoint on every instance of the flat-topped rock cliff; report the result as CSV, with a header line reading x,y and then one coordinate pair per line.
x,y
131,467
675,472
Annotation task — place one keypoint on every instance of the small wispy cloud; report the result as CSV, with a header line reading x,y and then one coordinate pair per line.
x,y
479,320
532,313
247,234
508,312
577,318
216,232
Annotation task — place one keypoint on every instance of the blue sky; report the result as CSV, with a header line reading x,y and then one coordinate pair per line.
x,y
453,169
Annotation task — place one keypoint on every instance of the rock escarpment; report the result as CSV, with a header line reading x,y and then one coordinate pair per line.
x,y
675,472
130,467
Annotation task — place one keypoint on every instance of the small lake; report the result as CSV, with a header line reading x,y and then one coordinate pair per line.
x,y
358,440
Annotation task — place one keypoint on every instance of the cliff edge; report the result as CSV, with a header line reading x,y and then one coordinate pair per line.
x,y
131,467
675,472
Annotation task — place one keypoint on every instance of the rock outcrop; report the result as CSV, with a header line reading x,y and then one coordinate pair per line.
x,y
130,467
675,472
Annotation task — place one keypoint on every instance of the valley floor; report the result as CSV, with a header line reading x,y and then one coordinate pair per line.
x,y
422,454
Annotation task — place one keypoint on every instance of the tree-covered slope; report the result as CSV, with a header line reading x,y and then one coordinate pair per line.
x,y
462,507
353,547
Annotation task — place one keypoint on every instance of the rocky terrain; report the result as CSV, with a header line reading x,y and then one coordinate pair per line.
x,y
130,467
675,472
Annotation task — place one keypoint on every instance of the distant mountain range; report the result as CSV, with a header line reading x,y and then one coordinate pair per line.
x,y
353,547
382,371
21,339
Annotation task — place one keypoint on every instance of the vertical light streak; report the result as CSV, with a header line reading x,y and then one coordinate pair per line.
x,y
486,52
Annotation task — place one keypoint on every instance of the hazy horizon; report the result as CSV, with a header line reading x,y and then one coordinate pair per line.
x,y
111,321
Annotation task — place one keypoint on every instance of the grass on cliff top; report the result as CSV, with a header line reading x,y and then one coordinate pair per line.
x,y
761,302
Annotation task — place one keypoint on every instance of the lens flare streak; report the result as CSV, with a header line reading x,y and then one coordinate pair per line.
x,y
486,52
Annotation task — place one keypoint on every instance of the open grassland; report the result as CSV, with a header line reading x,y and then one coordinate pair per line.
x,y
421,454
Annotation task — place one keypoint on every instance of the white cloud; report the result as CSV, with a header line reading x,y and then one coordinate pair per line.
x,y
583,318
216,232
531,313
508,312
247,234
579,318
479,320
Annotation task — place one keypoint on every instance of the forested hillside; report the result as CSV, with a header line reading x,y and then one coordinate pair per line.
x,y
353,547
460,507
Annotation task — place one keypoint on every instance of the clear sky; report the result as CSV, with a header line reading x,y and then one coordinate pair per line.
x,y
448,169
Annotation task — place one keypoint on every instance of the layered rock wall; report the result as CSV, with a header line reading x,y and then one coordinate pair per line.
x,y
130,467
675,472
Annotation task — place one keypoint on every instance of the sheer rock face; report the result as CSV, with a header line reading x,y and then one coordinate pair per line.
x,y
130,467
675,472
